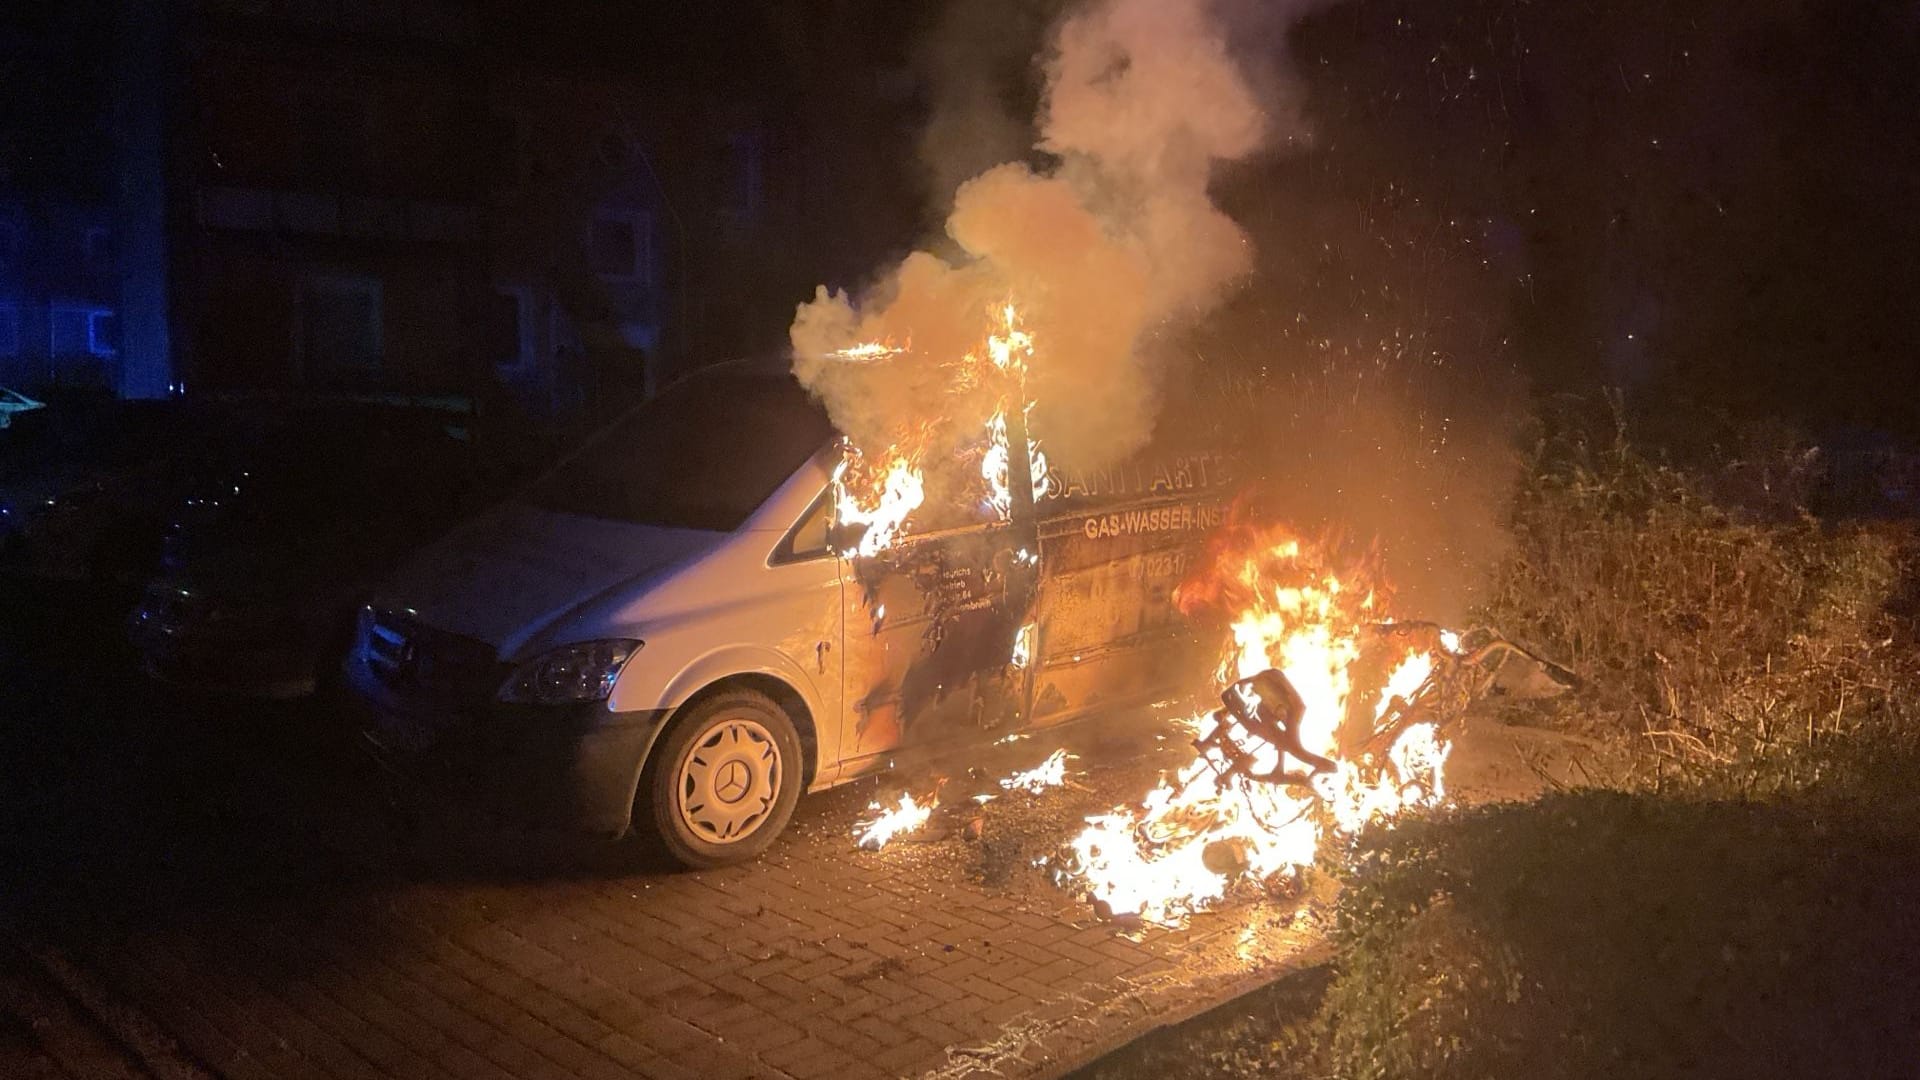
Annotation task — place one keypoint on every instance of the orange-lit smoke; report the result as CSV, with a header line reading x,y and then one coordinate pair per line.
x,y
1112,243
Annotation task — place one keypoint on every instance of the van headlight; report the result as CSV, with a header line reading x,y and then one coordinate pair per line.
x,y
581,672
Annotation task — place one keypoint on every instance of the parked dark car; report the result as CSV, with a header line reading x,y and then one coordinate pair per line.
x,y
263,569
86,486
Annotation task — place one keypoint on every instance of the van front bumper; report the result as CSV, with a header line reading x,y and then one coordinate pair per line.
x,y
564,769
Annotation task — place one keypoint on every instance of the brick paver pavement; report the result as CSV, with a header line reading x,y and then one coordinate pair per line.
x,y
819,960
215,893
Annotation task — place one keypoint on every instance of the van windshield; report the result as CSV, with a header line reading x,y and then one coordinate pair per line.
x,y
703,455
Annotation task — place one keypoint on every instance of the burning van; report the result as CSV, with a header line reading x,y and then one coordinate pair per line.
x,y
688,623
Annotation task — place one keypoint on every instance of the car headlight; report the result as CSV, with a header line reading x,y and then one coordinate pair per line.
x,y
582,672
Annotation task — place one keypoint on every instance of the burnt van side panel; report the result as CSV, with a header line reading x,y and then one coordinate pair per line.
x,y
954,637
930,629
1114,546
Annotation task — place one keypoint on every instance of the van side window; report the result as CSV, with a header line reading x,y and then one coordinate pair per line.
x,y
808,538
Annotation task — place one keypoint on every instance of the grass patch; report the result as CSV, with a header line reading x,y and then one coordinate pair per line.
x,y
1614,934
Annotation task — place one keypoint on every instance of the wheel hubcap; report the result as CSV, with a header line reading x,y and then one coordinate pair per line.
x,y
728,781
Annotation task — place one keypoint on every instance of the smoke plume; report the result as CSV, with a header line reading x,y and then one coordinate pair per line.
x,y
1108,246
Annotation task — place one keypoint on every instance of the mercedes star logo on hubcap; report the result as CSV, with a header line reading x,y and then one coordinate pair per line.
x,y
731,781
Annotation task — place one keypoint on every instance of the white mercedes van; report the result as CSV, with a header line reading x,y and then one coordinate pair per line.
x,y
659,633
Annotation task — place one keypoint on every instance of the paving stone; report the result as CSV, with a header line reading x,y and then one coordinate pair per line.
x,y
853,1042
818,961
933,1030
764,1033
799,1050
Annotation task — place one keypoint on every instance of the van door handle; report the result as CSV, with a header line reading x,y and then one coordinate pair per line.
x,y
820,656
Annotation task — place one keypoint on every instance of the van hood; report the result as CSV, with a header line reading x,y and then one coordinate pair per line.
x,y
507,575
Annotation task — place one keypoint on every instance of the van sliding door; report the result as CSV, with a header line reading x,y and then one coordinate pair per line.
x,y
939,631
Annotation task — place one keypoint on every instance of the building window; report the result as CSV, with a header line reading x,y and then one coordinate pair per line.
x,y
75,331
621,245
103,333
9,330
98,245
339,325
334,139
510,326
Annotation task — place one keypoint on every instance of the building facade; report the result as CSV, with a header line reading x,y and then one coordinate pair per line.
x,y
546,209
377,198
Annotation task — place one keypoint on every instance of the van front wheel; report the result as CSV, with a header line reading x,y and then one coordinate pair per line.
x,y
724,779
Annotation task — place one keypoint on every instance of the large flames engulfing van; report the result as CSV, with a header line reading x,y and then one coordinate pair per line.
x,y
1358,741
1017,593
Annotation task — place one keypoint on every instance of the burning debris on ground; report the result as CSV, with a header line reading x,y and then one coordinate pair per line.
x,y
905,816
1311,743
1332,718
945,806
1050,773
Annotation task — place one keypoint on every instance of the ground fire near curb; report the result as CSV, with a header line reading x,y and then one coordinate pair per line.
x,y
1333,717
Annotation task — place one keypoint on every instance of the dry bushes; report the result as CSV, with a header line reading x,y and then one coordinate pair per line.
x,y
1744,911
1717,623
1729,916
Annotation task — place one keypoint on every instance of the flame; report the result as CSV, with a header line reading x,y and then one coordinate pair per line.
x,y
995,462
1420,757
1022,647
1151,859
1050,773
900,490
870,350
1011,351
1183,844
882,490
1407,678
909,815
